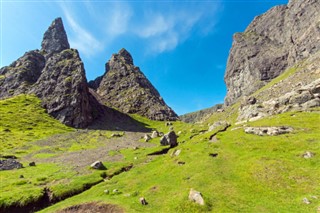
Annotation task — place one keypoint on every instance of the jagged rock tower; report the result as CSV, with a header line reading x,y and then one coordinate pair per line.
x,y
125,87
272,42
55,74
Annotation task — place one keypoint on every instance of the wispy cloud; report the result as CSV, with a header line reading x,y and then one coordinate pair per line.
x,y
81,38
118,19
157,27
165,30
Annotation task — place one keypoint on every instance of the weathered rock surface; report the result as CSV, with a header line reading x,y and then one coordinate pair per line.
x,y
272,42
9,164
56,75
200,115
21,74
97,165
126,88
272,131
63,89
55,39
196,197
169,139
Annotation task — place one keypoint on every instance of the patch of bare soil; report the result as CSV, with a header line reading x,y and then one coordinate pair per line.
x,y
92,207
80,160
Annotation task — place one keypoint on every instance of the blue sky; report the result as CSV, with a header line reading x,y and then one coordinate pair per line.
x,y
181,46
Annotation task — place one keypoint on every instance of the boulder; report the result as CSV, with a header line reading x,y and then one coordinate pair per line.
x,y
10,164
169,139
271,131
196,197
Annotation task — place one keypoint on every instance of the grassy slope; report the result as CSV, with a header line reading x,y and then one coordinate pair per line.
x,y
23,120
250,174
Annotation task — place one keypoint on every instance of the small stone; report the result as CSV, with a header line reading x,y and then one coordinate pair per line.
x,y
135,148
143,201
32,164
155,134
147,137
308,155
168,124
97,165
115,191
181,163
106,191
116,135
196,197
176,153
306,201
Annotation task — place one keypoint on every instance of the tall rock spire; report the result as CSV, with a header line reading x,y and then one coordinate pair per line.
x,y
125,87
55,38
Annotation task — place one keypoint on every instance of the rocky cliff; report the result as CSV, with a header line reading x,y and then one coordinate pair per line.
x,y
55,74
125,87
272,42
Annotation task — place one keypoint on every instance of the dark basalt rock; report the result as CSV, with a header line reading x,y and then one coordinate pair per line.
x,y
55,38
272,42
127,89
63,89
21,74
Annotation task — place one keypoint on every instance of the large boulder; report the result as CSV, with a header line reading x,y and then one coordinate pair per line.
x,y
169,139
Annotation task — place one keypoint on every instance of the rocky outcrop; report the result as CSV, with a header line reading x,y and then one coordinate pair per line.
x,y
299,91
201,115
63,89
56,75
272,42
125,87
54,39
21,74
270,131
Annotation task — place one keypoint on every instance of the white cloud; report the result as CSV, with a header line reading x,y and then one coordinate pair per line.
x,y
117,19
165,30
156,25
82,39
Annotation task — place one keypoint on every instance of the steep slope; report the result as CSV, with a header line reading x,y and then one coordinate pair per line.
x,y
273,41
55,74
200,115
125,87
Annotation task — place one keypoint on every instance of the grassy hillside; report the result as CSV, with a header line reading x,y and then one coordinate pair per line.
x,y
250,173
235,172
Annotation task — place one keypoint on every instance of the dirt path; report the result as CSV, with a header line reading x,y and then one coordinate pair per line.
x,y
80,160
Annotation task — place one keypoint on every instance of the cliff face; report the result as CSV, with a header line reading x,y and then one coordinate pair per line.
x,y
271,43
55,74
125,87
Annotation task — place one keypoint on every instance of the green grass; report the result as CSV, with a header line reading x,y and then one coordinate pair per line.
x,y
23,120
250,174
